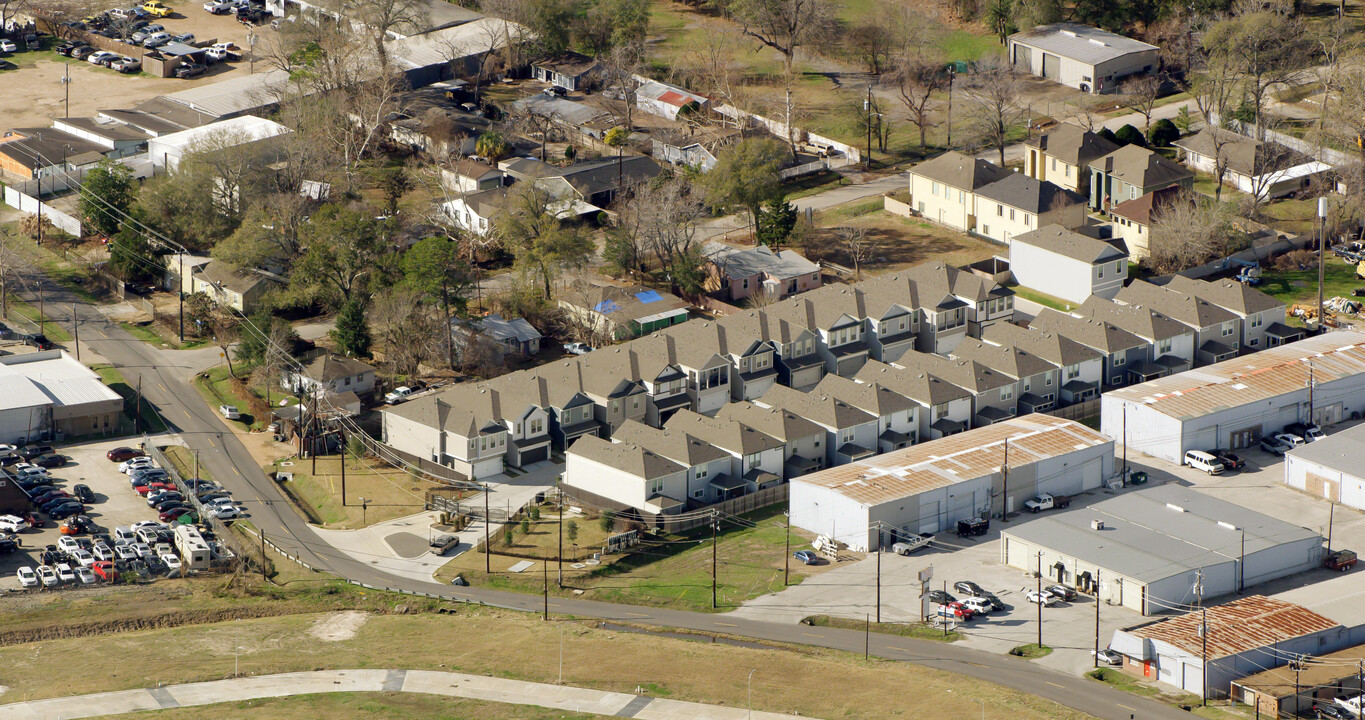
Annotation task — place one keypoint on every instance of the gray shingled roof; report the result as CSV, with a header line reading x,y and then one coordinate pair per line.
x,y
1072,144
1071,244
1230,294
624,456
1013,361
1097,333
1189,309
1030,195
911,380
1047,344
1141,167
959,171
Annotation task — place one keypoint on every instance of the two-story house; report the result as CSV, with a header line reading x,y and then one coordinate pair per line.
x,y
1063,154
523,407
1039,380
1082,368
1131,172
611,379
850,432
799,363
707,466
995,395
655,363
708,367
897,415
892,316
944,408
572,412
745,337
804,446
623,475
835,312
462,430
1262,316
1017,204
328,373
1217,331
1068,264
1131,220
1121,349
1170,343
741,273
944,189
756,458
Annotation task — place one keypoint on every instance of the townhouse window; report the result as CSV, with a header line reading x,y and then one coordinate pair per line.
x,y
537,426
817,442
1028,220
1164,346
518,430
1028,385
902,324
703,472
1011,214
751,461
933,188
999,210
810,345
483,444
1048,380
1072,371
656,486
1118,360
1101,269
1227,329
1118,267
985,229
635,403
615,406
1067,170
1116,380
1254,342
1007,393
1132,192
1256,321
961,196
1054,164
846,435
921,207
698,493
940,411
472,448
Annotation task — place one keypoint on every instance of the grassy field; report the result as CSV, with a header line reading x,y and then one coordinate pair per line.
x,y
390,492
504,644
365,706
897,242
914,630
216,387
1301,286
151,334
665,572
53,331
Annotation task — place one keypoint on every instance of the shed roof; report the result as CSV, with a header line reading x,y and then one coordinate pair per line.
x,y
1082,43
1251,378
1236,627
957,458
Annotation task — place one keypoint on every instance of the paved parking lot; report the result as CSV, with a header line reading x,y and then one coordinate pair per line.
x,y
115,503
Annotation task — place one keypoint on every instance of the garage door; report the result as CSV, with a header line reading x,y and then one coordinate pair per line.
x,y
536,455
1016,553
1052,67
1022,59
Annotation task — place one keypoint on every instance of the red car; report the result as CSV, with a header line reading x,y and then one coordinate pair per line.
x,y
121,454
149,487
957,610
174,514
104,569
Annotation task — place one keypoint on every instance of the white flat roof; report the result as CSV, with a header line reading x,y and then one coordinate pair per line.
x,y
247,128
49,377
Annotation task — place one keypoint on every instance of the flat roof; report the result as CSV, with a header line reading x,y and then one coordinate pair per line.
x,y
1251,378
1082,43
957,458
236,95
1341,598
1156,533
1237,627
247,128
1340,451
54,376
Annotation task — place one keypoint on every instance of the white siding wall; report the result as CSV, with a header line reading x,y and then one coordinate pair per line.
x,y
825,512
604,480
1057,275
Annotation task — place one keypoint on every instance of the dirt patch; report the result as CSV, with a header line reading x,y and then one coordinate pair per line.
x,y
338,626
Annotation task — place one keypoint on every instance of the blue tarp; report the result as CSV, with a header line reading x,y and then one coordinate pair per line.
x,y
606,307
647,297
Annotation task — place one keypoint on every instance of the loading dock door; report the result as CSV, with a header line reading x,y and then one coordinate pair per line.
x,y
1022,58
1052,67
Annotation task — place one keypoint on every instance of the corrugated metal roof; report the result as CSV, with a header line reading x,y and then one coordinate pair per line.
x,y
54,376
236,95
1237,627
1250,378
954,459
1082,43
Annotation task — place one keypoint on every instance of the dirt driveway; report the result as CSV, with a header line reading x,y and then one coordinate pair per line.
x,y
34,92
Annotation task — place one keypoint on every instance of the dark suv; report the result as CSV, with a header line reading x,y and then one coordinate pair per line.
x,y
1230,460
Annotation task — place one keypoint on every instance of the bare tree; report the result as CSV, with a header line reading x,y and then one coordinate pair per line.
x,y
408,328
1140,95
1264,50
784,25
622,64
664,216
873,43
710,63
993,103
378,18
1188,232
917,79
855,243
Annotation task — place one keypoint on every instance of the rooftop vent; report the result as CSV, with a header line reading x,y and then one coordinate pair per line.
x,y
1096,524
1175,507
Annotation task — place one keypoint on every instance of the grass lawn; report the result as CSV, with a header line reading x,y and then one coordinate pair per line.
x,y
390,492
150,333
151,421
1292,216
962,45
216,387
897,242
1121,681
667,571
1301,286
915,630
366,706
1040,297
481,640
1031,651
53,331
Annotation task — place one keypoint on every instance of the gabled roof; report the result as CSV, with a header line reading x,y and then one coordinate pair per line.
x,y
1142,321
239,281
1092,332
569,63
1032,196
960,171
1047,344
827,410
735,437
1070,244
622,305
1243,155
1013,361
912,381
1238,297
1194,311
1143,168
1241,626
1082,43
969,375
328,367
1072,144
679,447
779,422
1141,209
624,456
516,329
761,260
872,397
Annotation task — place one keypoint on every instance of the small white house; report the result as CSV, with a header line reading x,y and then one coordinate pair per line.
x,y
1265,169
1066,264
331,373
625,475
667,101
1086,58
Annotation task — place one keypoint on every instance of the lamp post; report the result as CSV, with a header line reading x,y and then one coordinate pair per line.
x,y
869,112
751,693
364,507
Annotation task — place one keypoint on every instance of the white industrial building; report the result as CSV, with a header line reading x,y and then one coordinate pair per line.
x,y
166,151
1086,58
1160,548
1232,404
49,395
930,486
1332,468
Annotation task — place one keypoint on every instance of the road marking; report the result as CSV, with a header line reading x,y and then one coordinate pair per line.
x,y
893,647
726,624
1053,684
639,615
1125,707
812,635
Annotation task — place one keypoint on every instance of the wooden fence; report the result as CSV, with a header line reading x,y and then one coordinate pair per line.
x,y
1079,411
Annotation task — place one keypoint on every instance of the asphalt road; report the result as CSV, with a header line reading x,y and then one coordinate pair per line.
x,y
166,386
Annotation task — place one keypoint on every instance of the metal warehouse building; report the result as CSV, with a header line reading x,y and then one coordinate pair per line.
x,y
930,486
1232,404
1153,548
1086,58
1330,468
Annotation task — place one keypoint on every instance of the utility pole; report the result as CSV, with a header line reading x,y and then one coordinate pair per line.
x,y
1331,515
1005,485
715,524
1203,636
40,307
76,328
1125,444
867,635
867,111
879,573
1040,597
1322,269
263,556
561,534
180,291
313,435
787,552
1310,386
1297,666
66,87
1097,617
343,467
952,73
137,419
545,578
487,520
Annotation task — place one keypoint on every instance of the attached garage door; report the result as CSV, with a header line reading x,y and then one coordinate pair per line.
x,y
1016,553
536,455
1052,67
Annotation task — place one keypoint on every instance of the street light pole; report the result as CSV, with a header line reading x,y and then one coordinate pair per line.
x,y
751,692
1322,266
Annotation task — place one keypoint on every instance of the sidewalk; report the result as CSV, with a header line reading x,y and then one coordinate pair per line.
x,y
474,687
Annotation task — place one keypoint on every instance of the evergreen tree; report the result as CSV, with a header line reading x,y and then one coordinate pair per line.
x,y
352,333
109,194
775,222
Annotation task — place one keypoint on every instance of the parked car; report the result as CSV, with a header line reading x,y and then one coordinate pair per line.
x,y
941,597
1322,711
967,587
66,510
218,7
101,58
174,514
955,610
229,412
223,513
1108,657
398,395
104,570
27,577
1061,591
50,460
185,38
127,65
252,16
84,576
12,524
67,544
128,466
102,551
64,573
142,34
83,493
48,576
32,451
171,562
189,70
65,50
79,53
1289,439
123,454
156,39
577,348
1230,460
978,605
156,9
1042,598
1310,432
1274,445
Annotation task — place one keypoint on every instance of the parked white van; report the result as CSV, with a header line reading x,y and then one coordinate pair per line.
x,y
1200,460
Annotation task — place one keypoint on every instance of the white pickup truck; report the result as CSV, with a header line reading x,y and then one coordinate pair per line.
x,y
1350,703
911,544
1047,502
398,395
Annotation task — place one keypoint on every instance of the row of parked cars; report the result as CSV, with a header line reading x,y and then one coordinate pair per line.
x,y
249,12
1216,461
145,548
162,494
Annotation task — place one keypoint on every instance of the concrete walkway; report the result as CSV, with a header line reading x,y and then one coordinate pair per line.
x,y
474,687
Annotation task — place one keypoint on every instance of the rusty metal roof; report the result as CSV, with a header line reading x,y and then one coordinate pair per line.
x,y
956,458
1319,671
1237,627
1250,378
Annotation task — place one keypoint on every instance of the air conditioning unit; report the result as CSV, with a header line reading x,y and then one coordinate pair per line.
x,y
1096,524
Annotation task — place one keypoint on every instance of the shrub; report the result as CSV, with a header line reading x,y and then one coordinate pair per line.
x,y
535,513
571,531
1129,135
525,526
606,522
1108,134
1163,133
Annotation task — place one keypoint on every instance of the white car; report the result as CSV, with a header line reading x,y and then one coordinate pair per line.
x,y
33,471
102,551
27,578
48,576
12,524
577,348
8,46
83,557
145,524
125,553
85,576
398,395
172,562
1288,439
65,573
222,512
136,463
143,550
1042,598
217,8
101,57
67,544
230,412
980,606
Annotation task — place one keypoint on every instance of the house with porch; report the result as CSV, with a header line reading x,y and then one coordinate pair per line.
x,y
1131,172
1062,155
